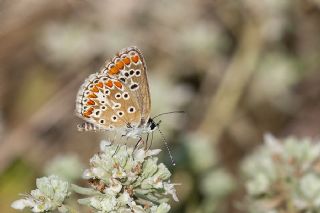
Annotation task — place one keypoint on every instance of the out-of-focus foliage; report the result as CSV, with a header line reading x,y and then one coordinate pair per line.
x,y
215,183
237,68
283,176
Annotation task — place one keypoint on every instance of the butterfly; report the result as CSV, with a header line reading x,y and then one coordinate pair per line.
x,y
117,98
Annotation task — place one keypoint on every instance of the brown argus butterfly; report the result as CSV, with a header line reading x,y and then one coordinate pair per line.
x,y
117,98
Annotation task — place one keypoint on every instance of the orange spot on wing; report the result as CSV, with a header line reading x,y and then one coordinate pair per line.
x,y
100,84
109,84
118,84
135,58
92,95
88,112
91,102
126,60
120,65
95,89
113,70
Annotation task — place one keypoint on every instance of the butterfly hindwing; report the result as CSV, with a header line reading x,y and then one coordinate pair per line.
x,y
107,103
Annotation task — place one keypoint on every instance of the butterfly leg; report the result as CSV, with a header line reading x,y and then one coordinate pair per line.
x,y
146,142
125,142
117,149
150,141
137,144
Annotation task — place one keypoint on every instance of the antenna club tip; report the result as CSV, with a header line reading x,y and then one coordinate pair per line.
x,y
174,164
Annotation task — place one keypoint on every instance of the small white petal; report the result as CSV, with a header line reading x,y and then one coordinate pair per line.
x,y
124,199
87,174
171,190
21,204
139,155
162,208
104,144
136,208
310,186
273,144
115,185
118,173
153,152
98,172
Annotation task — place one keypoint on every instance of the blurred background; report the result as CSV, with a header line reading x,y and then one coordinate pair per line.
x,y
239,69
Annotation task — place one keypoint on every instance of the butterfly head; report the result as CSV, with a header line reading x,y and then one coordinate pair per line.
x,y
152,125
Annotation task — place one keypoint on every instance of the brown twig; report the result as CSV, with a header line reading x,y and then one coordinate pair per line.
x,y
238,74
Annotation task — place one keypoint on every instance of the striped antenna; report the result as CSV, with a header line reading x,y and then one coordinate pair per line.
x,y
166,144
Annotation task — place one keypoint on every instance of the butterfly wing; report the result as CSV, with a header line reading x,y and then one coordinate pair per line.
x,y
129,68
107,103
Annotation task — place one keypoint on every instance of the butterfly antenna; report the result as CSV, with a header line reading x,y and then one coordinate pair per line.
x,y
165,113
167,146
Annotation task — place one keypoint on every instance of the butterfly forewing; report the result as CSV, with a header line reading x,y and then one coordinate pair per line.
x,y
129,68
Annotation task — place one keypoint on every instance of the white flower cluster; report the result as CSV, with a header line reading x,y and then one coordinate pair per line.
x,y
127,180
50,193
284,176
